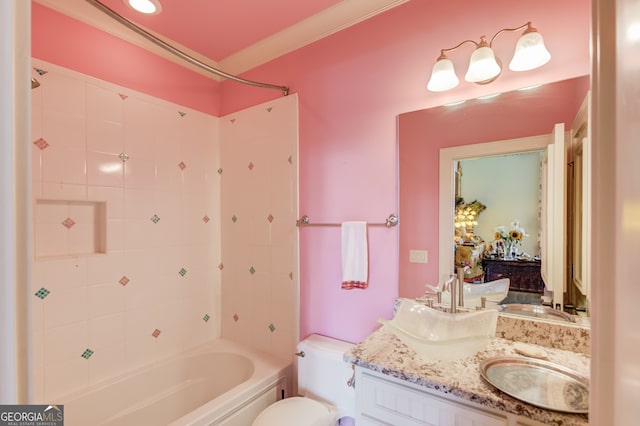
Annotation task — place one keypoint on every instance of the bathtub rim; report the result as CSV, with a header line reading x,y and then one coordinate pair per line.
x,y
268,371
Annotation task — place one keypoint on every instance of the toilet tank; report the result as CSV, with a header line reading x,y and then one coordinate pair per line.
x,y
323,375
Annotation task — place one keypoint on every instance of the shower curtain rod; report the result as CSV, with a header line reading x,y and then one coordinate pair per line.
x,y
166,46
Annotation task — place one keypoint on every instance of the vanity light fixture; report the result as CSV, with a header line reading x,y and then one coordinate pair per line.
x,y
484,67
148,7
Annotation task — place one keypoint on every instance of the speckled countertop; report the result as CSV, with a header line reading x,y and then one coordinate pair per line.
x,y
383,352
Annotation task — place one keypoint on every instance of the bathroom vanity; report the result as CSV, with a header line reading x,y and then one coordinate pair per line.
x,y
396,386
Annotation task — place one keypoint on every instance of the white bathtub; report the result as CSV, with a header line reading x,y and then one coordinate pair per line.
x,y
220,383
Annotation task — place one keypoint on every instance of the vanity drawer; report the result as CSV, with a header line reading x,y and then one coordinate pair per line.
x,y
383,402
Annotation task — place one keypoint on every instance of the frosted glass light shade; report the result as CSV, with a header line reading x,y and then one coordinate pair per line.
x,y
148,7
443,76
530,53
482,65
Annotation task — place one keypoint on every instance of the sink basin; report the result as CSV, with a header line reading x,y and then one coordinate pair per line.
x,y
438,335
536,311
494,291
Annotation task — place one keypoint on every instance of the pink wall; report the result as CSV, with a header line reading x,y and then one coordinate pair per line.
x,y
59,39
352,86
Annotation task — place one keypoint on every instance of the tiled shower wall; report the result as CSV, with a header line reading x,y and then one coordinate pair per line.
x,y
259,237
127,221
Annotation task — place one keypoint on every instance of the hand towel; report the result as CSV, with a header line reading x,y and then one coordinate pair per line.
x,y
355,256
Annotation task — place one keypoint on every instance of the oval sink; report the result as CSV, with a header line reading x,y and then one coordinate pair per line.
x,y
536,311
541,383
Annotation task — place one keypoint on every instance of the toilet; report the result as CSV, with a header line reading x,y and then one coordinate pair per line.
x,y
322,384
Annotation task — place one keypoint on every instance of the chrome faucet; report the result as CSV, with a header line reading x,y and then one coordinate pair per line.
x,y
456,289
461,271
453,291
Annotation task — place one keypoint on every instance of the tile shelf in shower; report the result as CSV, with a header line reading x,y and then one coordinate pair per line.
x,y
69,228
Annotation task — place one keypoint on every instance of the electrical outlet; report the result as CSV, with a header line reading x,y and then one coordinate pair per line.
x,y
418,256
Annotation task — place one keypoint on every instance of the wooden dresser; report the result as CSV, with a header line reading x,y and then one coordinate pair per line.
x,y
524,274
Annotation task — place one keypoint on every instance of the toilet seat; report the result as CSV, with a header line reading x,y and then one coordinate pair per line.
x,y
299,411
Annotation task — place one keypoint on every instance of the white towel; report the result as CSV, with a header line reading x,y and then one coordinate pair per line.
x,y
355,256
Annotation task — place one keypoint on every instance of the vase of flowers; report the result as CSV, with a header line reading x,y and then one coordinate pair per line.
x,y
510,238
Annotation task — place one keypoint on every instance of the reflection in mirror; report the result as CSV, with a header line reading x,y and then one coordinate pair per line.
x,y
504,240
511,118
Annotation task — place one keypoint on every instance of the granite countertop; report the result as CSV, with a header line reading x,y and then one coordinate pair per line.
x,y
383,352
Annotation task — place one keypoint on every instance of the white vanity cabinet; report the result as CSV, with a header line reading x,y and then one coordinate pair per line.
x,y
385,400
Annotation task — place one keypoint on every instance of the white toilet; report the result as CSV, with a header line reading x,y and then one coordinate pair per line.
x,y
322,382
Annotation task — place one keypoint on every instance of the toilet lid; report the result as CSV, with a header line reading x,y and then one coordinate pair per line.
x,y
297,411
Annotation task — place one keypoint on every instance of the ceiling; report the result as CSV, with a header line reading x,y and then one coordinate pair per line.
x,y
232,35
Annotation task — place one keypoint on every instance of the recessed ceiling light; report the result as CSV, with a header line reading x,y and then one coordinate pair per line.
x,y
148,7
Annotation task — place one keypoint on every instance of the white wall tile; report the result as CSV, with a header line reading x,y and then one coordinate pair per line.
x,y
65,342
65,92
63,166
104,170
140,173
105,136
104,104
88,124
267,140
140,204
107,331
105,269
63,191
105,299
115,235
63,273
114,197
65,307
83,238
63,130
51,240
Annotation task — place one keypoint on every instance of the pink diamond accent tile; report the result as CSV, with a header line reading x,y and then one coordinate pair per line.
x,y
41,143
206,219
123,96
270,218
250,166
124,281
236,317
68,223
156,333
182,165
221,266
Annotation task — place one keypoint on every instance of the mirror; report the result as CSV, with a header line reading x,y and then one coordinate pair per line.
x,y
509,122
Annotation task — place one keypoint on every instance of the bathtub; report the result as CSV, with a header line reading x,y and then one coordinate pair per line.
x,y
220,383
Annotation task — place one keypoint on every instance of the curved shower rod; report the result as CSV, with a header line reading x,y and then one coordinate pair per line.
x,y
166,46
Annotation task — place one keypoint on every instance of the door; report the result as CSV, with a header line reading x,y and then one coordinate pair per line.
x,y
553,200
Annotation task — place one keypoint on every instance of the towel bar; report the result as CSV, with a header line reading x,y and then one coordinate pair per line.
x,y
392,220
